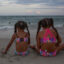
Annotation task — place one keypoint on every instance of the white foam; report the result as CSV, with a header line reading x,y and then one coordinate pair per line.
x,y
31,25
59,25
6,27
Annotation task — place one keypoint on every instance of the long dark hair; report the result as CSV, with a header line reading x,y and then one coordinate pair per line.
x,y
52,25
22,25
42,23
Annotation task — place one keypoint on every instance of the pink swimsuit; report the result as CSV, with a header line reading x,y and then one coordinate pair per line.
x,y
48,37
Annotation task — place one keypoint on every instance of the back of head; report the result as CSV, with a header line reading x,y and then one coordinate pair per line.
x,y
50,22
43,23
22,25
46,22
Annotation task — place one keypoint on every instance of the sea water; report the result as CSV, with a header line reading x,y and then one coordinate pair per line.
x,y
7,22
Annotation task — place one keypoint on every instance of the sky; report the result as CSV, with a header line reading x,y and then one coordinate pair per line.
x,y
31,7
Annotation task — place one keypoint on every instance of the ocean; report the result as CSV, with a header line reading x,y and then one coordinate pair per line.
x,y
7,22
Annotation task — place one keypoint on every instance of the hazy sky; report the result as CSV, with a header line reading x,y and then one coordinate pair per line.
x,y
31,7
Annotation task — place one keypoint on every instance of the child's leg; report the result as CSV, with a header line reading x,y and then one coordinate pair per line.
x,y
59,48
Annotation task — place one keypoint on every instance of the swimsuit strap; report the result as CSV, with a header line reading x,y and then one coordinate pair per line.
x,y
49,34
25,39
48,37
21,39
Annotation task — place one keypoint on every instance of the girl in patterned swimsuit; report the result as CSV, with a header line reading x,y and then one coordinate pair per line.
x,y
48,40
22,39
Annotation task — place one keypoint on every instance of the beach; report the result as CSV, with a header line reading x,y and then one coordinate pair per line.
x,y
31,14
33,57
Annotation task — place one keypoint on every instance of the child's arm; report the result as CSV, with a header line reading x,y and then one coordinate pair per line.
x,y
10,43
28,36
58,40
28,40
38,42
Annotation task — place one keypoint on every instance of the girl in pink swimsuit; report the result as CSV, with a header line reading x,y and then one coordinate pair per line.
x,y
48,39
21,37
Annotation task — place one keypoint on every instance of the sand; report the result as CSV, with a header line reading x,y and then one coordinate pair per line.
x,y
33,57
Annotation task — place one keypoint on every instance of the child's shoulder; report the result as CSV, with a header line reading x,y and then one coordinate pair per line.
x,y
14,34
26,34
41,33
53,31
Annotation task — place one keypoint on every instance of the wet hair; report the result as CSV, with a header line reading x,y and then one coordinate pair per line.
x,y
52,25
42,23
22,25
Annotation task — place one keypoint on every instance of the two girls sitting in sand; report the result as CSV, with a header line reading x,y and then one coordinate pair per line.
x,y
48,39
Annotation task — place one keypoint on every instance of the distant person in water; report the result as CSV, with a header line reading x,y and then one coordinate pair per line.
x,y
22,39
48,39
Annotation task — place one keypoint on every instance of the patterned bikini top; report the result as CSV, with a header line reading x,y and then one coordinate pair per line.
x,y
21,39
48,37
25,39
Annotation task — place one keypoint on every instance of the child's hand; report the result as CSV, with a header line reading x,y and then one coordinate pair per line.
x,y
3,52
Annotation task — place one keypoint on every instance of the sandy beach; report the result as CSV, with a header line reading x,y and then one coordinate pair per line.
x,y
33,57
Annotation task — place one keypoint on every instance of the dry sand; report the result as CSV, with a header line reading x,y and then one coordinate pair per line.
x,y
33,57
